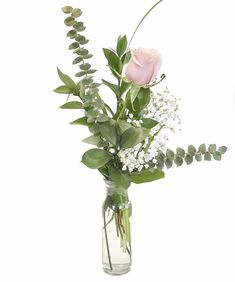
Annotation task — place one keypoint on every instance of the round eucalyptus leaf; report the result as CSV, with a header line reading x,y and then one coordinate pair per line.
x,y
67,9
180,152
72,33
198,157
85,67
207,156
76,13
188,159
217,156
69,21
178,161
77,60
212,148
168,163
74,45
192,150
80,73
223,149
202,148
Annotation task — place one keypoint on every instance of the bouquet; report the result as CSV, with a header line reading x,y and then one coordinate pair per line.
x,y
131,141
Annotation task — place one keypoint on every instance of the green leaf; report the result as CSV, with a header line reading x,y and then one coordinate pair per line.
x,y
160,160
217,156
133,136
188,159
192,150
123,125
72,105
102,118
85,67
222,149
82,52
146,176
180,152
121,45
74,45
67,9
76,13
170,154
134,92
207,156
96,158
126,58
149,123
88,56
91,71
178,161
212,148
78,25
113,60
202,148
69,21
63,90
93,140
80,73
72,34
112,86
66,79
168,163
142,100
120,178
77,60
80,121
198,157
110,132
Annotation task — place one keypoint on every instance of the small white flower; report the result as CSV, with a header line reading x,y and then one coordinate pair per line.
x,y
131,116
112,151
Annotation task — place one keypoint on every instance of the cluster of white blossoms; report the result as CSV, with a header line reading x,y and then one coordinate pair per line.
x,y
163,108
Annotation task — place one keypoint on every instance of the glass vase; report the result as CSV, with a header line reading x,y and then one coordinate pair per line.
x,y
116,231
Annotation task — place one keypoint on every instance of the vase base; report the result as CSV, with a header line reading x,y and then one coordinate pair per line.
x,y
117,269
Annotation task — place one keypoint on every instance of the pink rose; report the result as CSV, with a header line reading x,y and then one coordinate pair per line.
x,y
143,66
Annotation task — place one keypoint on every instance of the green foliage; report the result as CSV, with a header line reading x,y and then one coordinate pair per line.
x,y
96,158
222,149
146,176
133,136
66,79
142,100
109,131
133,93
69,21
113,61
72,105
93,140
121,45
120,178
76,13
149,123
80,121
63,90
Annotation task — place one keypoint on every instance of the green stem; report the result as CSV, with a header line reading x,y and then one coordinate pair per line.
x,y
109,109
143,20
107,243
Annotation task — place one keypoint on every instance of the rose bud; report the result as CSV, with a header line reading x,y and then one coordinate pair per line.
x,y
143,66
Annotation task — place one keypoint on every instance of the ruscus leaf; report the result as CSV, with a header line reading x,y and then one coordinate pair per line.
x,y
96,158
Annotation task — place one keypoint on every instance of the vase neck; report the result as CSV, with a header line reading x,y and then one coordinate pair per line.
x,y
113,188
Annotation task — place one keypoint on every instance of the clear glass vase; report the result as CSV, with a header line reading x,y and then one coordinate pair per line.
x,y
116,230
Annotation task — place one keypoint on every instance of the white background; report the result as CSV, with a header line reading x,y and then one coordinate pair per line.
x,y
50,204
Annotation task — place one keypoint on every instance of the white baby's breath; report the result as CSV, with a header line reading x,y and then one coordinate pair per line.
x,y
163,108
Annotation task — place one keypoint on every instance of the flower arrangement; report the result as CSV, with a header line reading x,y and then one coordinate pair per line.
x,y
131,141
